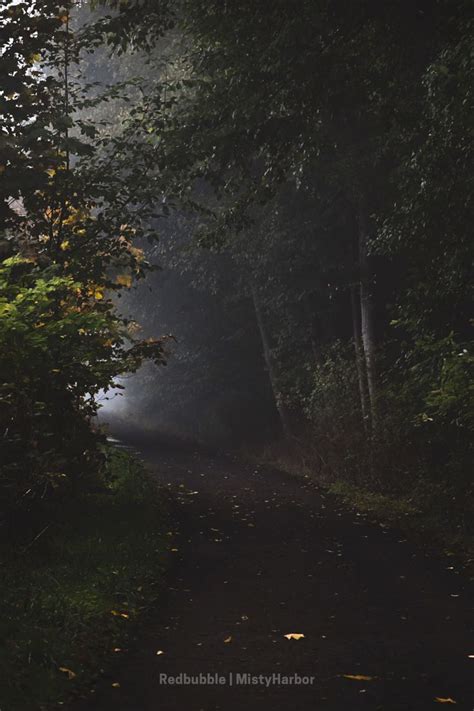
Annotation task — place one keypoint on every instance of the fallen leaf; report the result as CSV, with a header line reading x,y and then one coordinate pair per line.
x,y
124,280
358,677
69,672
120,614
160,651
228,639
294,635
116,685
446,700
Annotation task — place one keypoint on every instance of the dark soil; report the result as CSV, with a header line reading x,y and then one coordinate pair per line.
x,y
261,555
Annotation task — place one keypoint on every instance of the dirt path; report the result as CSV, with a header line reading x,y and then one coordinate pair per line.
x,y
263,555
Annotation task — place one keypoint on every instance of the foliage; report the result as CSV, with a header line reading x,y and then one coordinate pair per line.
x,y
61,343
322,158
98,554
289,134
70,216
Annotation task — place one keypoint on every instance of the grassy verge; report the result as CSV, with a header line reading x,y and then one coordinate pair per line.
x,y
429,512
70,597
421,516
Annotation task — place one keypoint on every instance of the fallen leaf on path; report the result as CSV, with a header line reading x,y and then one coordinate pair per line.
x,y
446,700
358,677
228,639
294,635
69,672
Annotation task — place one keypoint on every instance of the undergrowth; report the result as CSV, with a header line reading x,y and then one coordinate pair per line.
x,y
74,583
434,512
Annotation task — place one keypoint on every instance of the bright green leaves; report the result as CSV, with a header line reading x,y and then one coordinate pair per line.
x,y
69,212
61,342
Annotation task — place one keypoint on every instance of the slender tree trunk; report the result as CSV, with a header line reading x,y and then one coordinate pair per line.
x,y
367,318
314,335
281,409
359,357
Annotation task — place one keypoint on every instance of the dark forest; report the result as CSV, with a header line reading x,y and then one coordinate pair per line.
x,y
236,395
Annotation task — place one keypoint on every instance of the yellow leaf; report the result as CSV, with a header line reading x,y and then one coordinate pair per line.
x,y
294,635
97,292
358,677
228,639
446,700
124,280
69,672
65,245
119,614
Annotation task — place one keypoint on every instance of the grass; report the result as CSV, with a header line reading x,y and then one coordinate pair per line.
x,y
422,515
430,511
71,596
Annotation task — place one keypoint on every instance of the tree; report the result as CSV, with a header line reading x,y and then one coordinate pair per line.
x,y
69,216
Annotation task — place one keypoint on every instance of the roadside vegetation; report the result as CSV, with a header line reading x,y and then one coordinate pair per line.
x,y
77,576
317,170
288,196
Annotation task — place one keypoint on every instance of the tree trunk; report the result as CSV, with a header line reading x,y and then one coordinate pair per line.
x,y
359,356
367,318
280,407
314,334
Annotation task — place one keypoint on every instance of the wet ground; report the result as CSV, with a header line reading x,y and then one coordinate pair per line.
x,y
382,624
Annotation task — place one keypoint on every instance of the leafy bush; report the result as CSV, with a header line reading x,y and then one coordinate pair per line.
x,y
333,408
60,343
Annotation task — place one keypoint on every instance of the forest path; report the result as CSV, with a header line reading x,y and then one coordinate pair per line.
x,y
262,554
